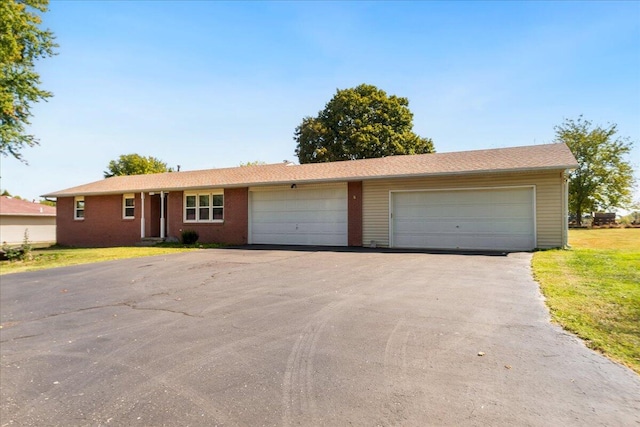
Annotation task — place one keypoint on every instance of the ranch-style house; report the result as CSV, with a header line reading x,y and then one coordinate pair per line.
x,y
507,199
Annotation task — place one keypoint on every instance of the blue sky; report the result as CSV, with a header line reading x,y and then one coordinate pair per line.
x,y
205,84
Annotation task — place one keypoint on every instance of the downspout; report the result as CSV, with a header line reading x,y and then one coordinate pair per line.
x,y
162,215
142,215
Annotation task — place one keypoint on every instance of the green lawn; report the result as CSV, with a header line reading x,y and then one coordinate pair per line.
x,y
593,290
60,257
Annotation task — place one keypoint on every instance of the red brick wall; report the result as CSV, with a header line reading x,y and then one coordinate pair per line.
x,y
102,225
232,231
354,220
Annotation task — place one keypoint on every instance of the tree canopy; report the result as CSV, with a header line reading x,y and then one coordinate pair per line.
x,y
6,193
359,123
604,177
135,164
22,42
253,163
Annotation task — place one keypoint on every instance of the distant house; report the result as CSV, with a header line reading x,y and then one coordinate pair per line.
x,y
498,199
20,216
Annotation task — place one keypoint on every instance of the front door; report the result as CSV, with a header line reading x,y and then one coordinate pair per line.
x,y
155,217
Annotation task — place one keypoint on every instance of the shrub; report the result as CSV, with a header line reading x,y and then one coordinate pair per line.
x,y
19,253
189,237
11,253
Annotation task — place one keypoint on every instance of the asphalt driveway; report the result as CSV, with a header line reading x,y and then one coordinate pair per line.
x,y
263,337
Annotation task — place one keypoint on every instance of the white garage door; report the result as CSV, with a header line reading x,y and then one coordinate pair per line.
x,y
499,219
299,216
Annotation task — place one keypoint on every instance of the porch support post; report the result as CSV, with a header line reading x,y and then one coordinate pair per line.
x,y
162,232
142,215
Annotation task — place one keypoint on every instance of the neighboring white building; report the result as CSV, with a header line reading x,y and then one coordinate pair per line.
x,y
18,216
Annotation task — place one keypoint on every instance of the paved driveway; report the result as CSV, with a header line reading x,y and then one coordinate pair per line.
x,y
262,337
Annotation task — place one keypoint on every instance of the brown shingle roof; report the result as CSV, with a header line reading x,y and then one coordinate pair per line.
x,y
17,207
529,158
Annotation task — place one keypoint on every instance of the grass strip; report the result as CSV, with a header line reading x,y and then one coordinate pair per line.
x,y
57,256
593,290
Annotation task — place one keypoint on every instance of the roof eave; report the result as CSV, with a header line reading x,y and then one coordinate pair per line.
x,y
53,215
319,180
416,175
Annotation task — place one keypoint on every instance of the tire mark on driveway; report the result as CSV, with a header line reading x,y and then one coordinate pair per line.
x,y
298,394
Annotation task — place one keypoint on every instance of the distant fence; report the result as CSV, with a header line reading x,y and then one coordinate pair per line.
x,y
603,218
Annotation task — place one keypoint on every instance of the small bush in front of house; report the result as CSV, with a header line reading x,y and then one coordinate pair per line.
x,y
189,237
11,253
20,253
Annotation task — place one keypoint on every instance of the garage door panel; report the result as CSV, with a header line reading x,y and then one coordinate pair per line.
x,y
295,238
292,236
316,229
443,240
272,217
464,219
504,242
510,211
300,216
460,224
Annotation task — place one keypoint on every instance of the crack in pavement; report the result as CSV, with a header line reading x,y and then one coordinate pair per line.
x,y
129,304
135,307
21,338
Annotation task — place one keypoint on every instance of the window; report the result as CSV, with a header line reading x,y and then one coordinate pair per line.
x,y
128,206
204,207
78,209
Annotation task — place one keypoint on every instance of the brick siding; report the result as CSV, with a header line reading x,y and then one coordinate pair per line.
x,y
232,231
104,226
354,214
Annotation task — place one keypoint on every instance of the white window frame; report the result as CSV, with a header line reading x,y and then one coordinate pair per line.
x,y
76,209
199,209
126,197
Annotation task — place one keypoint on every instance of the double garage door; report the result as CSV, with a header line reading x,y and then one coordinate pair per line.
x,y
494,219
299,216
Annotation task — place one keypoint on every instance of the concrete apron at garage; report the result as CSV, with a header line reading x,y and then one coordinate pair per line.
x,y
246,337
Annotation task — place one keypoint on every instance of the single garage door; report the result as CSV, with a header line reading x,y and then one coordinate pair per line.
x,y
299,216
494,219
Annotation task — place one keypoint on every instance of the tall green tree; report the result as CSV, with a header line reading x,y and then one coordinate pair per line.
x,y
135,164
604,177
359,123
22,42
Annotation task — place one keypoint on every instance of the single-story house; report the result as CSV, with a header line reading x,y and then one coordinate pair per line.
x,y
497,199
19,216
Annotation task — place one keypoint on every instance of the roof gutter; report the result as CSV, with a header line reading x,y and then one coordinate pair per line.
x,y
39,215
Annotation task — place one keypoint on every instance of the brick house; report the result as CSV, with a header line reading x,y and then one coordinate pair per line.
x,y
501,199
